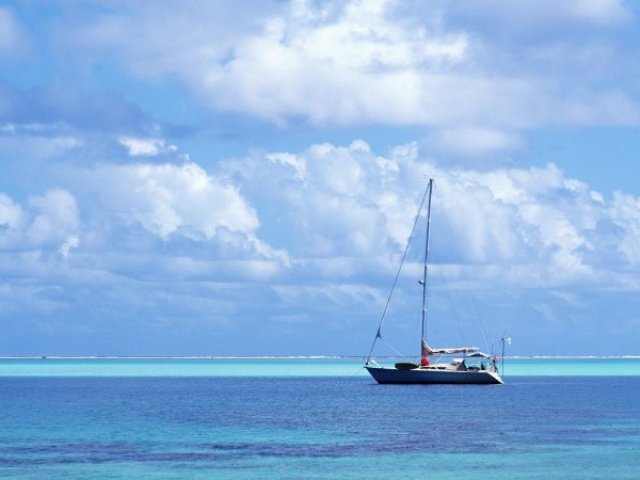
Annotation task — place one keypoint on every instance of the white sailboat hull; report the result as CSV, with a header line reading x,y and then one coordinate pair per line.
x,y
433,376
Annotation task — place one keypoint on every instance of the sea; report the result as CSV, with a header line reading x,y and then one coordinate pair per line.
x,y
314,418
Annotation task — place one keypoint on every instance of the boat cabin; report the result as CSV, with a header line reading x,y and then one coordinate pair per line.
x,y
475,361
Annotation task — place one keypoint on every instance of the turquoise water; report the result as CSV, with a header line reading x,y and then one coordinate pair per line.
x,y
313,419
283,367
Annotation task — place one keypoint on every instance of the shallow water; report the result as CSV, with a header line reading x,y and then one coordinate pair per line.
x,y
317,427
286,367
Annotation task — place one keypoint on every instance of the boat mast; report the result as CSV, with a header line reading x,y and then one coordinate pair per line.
x,y
395,281
504,340
424,274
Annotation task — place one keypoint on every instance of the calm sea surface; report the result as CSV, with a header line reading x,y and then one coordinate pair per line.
x,y
315,419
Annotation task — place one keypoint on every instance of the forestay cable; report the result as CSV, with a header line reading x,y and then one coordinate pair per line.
x,y
395,281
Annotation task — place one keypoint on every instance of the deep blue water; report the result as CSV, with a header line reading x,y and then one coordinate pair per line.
x,y
347,427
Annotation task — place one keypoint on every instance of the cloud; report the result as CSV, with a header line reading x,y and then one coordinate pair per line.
x,y
316,197
37,142
117,225
318,230
149,147
383,62
529,17
57,215
164,201
177,220
346,207
49,221
70,243
474,142
354,55
624,224
13,38
173,200
11,215
59,107
334,211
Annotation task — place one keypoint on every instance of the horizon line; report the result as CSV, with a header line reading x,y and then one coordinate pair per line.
x,y
279,357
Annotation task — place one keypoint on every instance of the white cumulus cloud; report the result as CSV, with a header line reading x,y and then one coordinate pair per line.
x,y
149,147
171,200
47,221
386,62
530,226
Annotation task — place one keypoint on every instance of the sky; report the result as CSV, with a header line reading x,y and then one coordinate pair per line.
x,y
241,178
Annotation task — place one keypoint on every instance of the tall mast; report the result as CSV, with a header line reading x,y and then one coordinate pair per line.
x,y
404,255
424,274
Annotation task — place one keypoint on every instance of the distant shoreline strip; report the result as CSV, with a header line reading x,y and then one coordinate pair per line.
x,y
288,357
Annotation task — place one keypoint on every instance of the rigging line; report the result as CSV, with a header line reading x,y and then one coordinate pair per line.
x,y
395,350
454,310
356,372
447,288
466,283
475,305
395,281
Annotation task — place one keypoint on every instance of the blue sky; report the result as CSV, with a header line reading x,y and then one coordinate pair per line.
x,y
240,178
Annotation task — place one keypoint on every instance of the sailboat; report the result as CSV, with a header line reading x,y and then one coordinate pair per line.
x,y
458,370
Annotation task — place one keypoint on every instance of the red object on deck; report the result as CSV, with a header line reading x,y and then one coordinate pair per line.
x,y
424,361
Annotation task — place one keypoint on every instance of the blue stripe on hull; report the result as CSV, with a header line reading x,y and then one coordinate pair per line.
x,y
433,377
